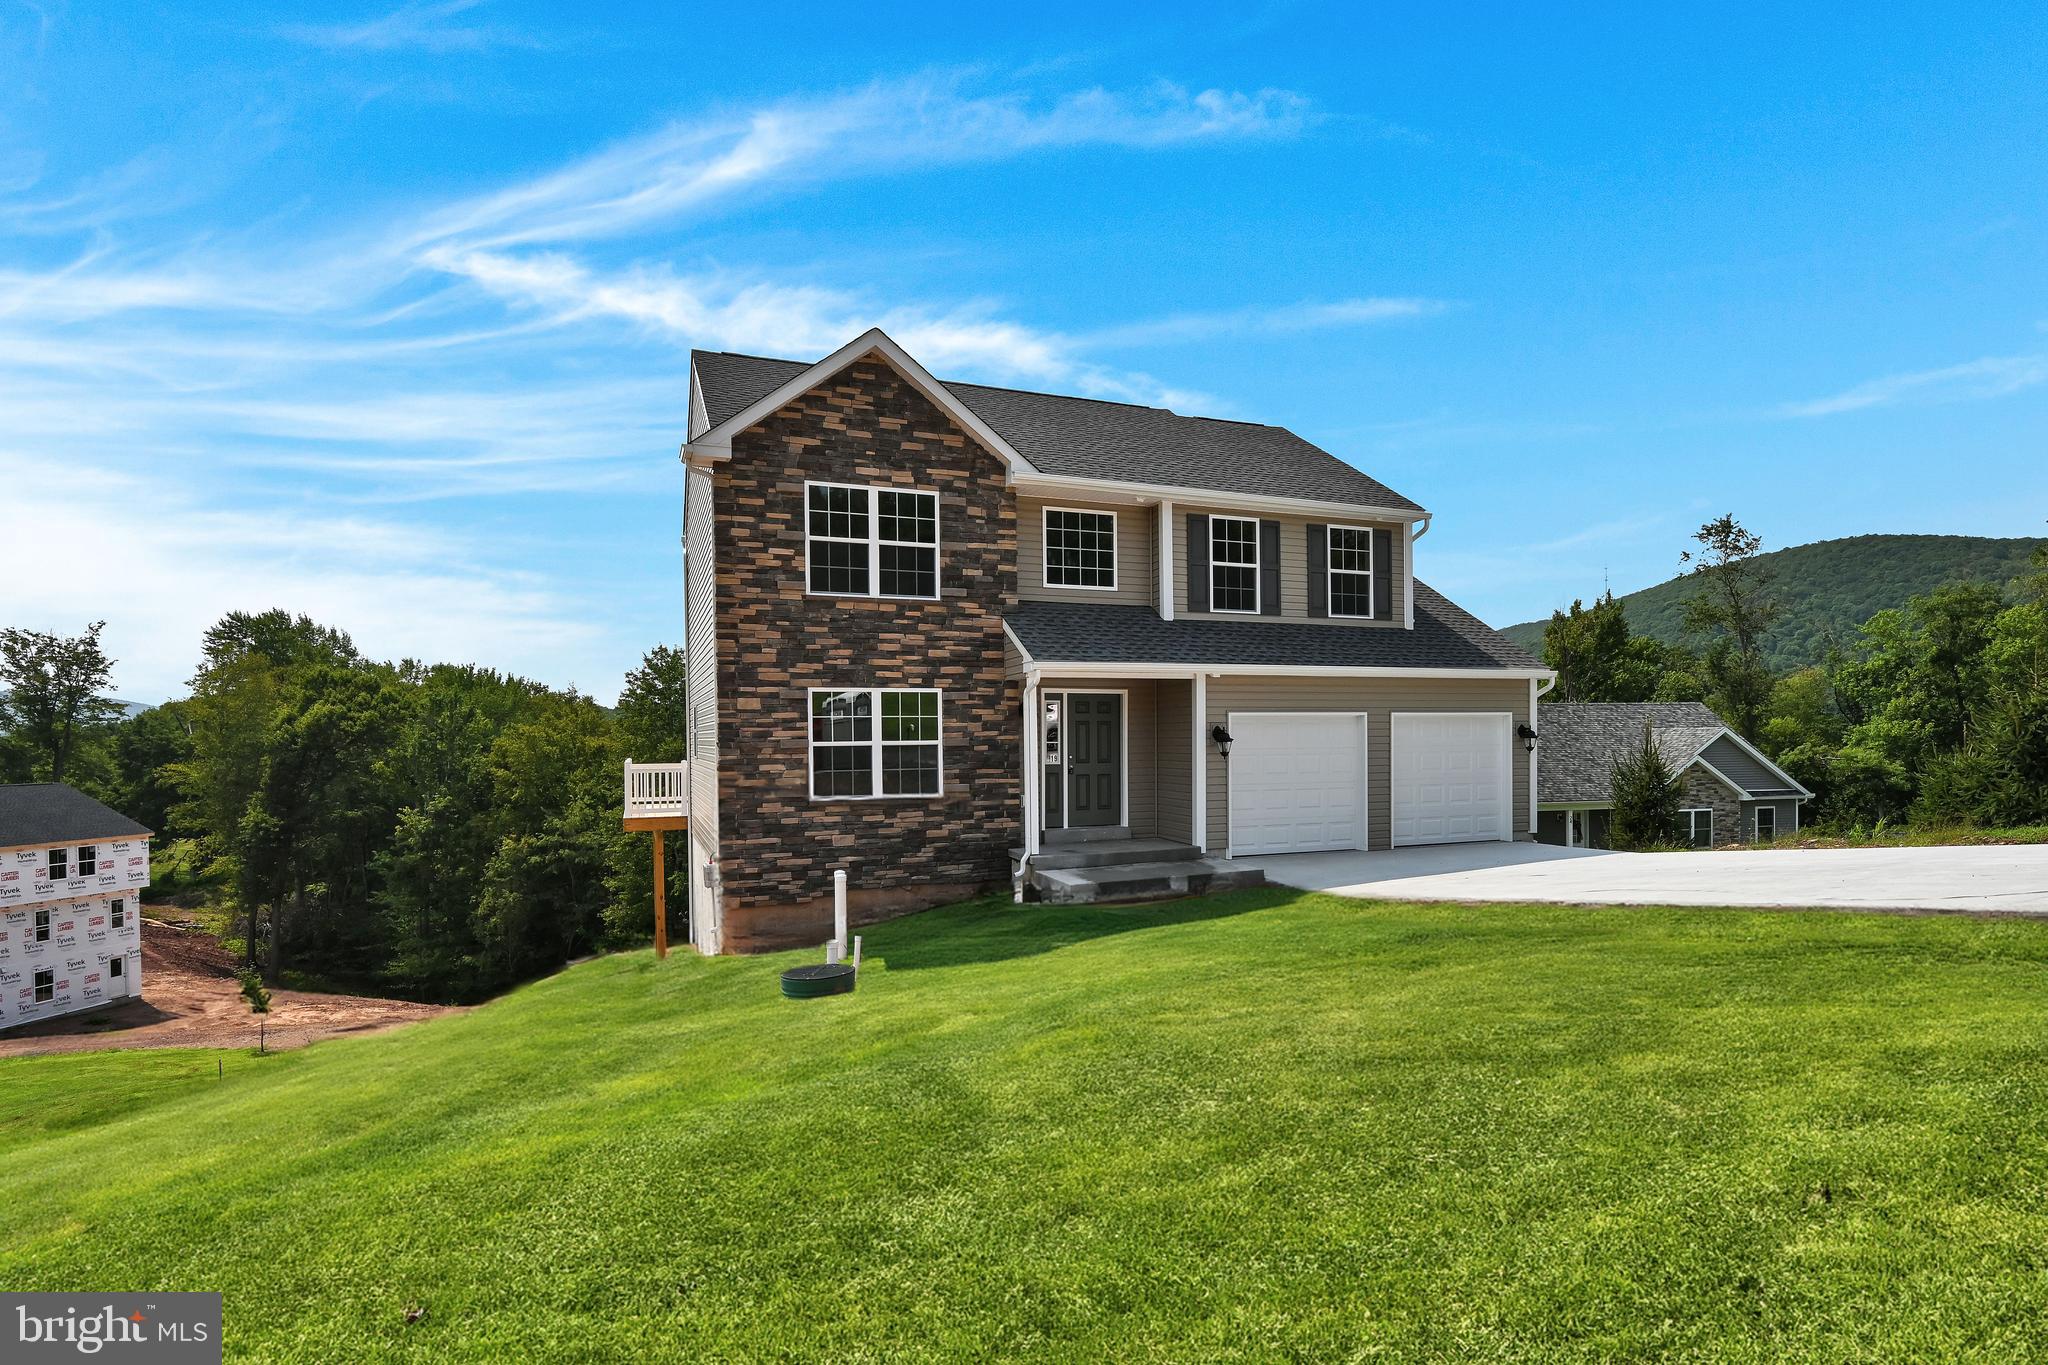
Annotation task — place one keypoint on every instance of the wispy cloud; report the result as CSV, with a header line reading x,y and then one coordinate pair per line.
x,y
1990,377
887,126
424,28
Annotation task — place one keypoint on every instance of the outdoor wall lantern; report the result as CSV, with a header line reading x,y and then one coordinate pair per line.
x,y
1528,737
1222,738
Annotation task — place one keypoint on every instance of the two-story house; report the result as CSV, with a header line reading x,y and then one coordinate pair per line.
x,y
71,878
947,636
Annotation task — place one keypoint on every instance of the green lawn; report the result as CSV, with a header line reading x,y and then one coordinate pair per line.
x,y
1259,1126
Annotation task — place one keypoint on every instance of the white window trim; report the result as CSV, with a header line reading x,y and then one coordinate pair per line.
x,y
117,965
1707,811
117,912
1045,549
1756,822
1330,572
874,743
1123,808
36,985
1258,598
39,928
86,852
875,542
52,862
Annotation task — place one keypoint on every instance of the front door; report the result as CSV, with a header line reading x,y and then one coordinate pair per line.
x,y
1095,758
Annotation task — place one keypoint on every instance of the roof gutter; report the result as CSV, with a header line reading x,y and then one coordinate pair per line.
x,y
1113,489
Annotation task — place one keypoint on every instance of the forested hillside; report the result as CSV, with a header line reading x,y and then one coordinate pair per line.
x,y
1828,589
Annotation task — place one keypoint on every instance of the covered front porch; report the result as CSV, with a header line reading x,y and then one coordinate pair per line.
x,y
1114,790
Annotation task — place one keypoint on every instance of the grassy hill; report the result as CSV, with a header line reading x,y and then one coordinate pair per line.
x,y
1829,588
1262,1126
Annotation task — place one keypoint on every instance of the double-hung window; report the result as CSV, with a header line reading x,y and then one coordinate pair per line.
x,y
42,927
119,912
1080,548
46,985
870,542
1696,826
1234,564
88,859
1350,571
868,742
60,864
1766,824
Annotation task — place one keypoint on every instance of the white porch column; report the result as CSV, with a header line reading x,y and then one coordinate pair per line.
x,y
1200,804
1034,764
1165,561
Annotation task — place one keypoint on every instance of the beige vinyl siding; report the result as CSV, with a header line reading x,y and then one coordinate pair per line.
x,y
700,643
1379,698
1140,743
1013,660
1136,556
1293,566
1174,714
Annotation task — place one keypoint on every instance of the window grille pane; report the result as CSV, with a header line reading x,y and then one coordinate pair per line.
x,y
1235,588
910,716
842,770
1350,594
839,512
1233,540
909,571
910,769
839,566
1350,550
912,517
842,717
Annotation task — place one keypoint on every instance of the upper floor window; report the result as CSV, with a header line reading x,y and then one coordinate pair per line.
x,y
119,910
88,859
869,742
42,929
1080,548
60,864
871,542
1234,564
1350,571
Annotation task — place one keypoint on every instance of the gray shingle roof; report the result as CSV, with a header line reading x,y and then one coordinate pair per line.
x,y
52,813
1445,636
1089,438
1582,741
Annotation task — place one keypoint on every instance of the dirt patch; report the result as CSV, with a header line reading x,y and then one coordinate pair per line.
x,y
190,998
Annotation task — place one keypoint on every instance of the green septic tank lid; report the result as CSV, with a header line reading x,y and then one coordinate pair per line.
x,y
808,983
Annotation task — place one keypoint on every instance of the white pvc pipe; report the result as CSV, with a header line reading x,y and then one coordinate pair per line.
x,y
837,952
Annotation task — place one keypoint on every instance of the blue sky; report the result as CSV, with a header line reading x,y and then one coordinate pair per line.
x,y
383,314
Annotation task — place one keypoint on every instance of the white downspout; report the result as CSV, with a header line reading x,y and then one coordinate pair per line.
x,y
1536,753
1165,560
1200,802
1409,535
1034,763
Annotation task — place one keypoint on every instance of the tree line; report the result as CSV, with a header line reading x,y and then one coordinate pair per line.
x,y
433,831
1936,712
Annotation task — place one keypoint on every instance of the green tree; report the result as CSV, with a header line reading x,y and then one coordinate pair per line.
x,y
50,688
1647,798
1735,608
149,749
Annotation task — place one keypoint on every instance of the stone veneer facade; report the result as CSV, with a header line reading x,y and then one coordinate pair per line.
x,y
777,846
1698,787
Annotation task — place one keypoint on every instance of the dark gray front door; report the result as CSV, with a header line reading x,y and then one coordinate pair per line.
x,y
1095,758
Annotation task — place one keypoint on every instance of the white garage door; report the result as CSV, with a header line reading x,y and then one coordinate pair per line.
x,y
1297,782
1451,778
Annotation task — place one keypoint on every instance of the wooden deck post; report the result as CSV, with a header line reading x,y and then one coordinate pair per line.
x,y
660,895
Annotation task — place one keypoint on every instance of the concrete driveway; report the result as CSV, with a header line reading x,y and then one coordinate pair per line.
x,y
2002,879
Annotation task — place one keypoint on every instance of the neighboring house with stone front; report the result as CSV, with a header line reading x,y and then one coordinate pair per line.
x,y
949,637
1730,792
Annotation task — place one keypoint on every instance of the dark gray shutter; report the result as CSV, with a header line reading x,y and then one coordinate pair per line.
x,y
1198,561
1269,568
1318,569
1382,575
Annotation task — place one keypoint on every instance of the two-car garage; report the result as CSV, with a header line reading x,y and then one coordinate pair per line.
x,y
1300,781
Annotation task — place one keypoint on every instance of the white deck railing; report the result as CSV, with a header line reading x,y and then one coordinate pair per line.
x,y
657,789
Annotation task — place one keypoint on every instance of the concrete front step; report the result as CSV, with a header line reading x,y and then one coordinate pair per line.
x,y
1141,881
1110,854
